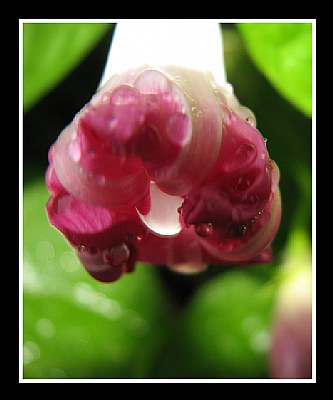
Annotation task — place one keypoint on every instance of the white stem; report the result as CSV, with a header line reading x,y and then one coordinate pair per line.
x,y
195,44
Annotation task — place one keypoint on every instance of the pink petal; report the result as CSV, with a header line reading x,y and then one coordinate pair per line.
x,y
95,186
162,167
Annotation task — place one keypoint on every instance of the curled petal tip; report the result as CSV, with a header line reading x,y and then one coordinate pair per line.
x,y
98,268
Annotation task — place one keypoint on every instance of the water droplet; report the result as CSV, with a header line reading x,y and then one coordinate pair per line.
x,y
179,128
236,214
100,180
86,249
124,95
91,153
90,176
74,151
253,199
237,231
112,122
117,255
106,98
204,230
265,141
269,167
81,248
242,184
244,155
251,120
152,82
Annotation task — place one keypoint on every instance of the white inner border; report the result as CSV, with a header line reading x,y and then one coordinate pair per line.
x,y
20,344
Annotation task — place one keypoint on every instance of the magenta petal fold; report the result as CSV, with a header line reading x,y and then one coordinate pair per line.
x,y
177,131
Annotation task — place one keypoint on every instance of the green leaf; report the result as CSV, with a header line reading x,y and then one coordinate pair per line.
x,y
50,51
283,52
224,332
74,326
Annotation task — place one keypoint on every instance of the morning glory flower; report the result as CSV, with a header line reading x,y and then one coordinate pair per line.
x,y
164,165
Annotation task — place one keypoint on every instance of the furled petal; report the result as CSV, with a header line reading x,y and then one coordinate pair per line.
x,y
87,227
164,166
240,200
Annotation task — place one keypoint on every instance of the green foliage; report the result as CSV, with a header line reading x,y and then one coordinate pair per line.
x,y
283,52
74,326
223,333
50,51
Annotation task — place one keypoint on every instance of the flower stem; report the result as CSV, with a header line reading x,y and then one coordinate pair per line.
x,y
195,44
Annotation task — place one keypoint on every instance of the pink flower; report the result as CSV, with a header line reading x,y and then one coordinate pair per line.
x,y
163,166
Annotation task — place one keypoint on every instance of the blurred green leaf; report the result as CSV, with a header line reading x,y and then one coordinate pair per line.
x,y
224,332
283,52
50,51
74,326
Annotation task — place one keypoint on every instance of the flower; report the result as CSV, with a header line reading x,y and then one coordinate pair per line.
x,y
163,166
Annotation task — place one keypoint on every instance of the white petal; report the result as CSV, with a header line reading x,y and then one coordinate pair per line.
x,y
163,217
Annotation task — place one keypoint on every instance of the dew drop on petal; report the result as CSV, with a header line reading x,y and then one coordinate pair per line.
x,y
117,255
151,82
124,95
252,199
237,231
139,237
244,154
100,180
178,128
204,230
242,184
74,151
251,120
112,122
83,249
